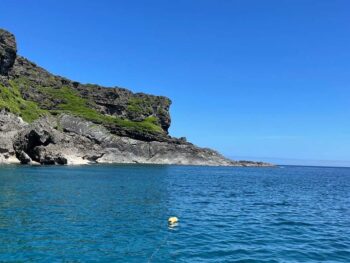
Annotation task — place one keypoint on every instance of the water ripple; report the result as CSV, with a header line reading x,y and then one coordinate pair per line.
x,y
119,213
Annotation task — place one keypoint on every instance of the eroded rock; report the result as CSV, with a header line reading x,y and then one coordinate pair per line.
x,y
8,51
66,139
10,125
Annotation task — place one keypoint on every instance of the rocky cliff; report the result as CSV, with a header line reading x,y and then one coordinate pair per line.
x,y
48,119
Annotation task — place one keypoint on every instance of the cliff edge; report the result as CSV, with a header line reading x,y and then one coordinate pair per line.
x,y
48,119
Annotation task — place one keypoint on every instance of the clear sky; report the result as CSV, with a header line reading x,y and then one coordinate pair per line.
x,y
252,79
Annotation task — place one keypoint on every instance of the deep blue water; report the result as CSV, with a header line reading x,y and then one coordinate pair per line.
x,y
119,214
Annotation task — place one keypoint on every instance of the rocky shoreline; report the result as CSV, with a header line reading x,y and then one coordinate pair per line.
x,y
69,140
50,120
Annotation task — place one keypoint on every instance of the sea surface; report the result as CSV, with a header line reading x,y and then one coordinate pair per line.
x,y
119,213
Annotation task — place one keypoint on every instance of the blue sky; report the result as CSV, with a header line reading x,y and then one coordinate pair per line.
x,y
252,79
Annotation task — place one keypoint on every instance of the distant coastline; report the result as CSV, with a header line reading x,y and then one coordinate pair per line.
x,y
296,162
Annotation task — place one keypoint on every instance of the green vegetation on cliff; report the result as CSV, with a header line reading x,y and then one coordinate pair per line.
x,y
139,105
30,92
11,100
67,101
72,103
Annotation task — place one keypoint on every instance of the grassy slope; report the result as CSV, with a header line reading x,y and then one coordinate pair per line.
x,y
11,99
74,104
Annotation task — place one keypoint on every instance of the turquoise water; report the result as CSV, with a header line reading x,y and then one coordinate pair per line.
x,y
119,214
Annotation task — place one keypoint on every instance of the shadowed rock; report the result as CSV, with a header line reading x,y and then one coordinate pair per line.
x,y
8,51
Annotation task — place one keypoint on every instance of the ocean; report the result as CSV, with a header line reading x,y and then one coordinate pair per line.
x,y
118,213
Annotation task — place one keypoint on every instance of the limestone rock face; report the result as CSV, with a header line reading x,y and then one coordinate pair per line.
x,y
31,143
72,140
126,150
8,51
10,124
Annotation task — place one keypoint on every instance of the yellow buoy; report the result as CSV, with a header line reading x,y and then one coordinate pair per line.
x,y
173,220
